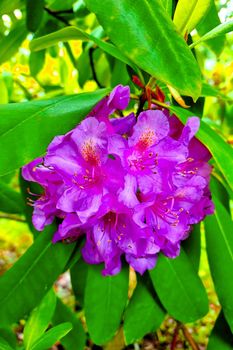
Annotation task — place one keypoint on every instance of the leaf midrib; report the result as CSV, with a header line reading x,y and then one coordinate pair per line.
x,y
27,273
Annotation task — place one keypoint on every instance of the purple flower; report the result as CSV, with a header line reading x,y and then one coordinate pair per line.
x,y
131,186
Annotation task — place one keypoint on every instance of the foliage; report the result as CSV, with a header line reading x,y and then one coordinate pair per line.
x,y
58,60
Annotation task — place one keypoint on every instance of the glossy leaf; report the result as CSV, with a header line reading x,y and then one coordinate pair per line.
x,y
167,4
189,13
34,10
42,120
32,272
217,146
39,320
211,21
192,246
7,6
221,29
218,189
179,288
151,39
105,300
36,62
4,345
51,336
143,314
78,274
10,200
4,92
73,33
76,338
9,44
219,245
221,337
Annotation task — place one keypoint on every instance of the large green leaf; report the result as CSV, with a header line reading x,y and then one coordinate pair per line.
x,y
7,6
211,21
221,337
76,338
24,285
168,5
143,314
105,300
73,33
78,274
4,345
192,246
9,44
179,288
220,150
188,14
34,11
39,320
219,245
27,128
51,336
10,200
221,29
144,32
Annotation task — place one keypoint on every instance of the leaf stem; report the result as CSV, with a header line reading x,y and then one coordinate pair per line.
x,y
175,336
189,338
57,16
12,217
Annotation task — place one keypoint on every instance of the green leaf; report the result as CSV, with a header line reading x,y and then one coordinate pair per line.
x,y
76,338
36,62
51,336
209,90
24,285
220,150
179,288
78,274
105,300
143,314
39,319
4,345
7,6
10,200
8,335
27,128
143,32
168,5
221,29
221,337
218,189
4,92
192,246
73,33
189,13
34,11
219,245
211,21
9,44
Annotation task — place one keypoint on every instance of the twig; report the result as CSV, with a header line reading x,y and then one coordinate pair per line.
x,y
12,217
175,336
69,11
189,338
91,51
57,16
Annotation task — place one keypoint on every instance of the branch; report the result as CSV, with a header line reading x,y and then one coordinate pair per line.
x,y
189,338
11,217
57,16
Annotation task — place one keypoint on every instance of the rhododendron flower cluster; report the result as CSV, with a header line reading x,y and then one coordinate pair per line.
x,y
133,186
